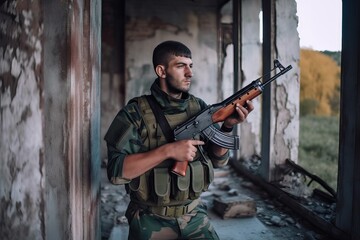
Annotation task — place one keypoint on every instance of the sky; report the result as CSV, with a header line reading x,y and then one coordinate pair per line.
x,y
320,24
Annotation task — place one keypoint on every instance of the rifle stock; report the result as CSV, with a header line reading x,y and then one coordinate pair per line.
x,y
218,113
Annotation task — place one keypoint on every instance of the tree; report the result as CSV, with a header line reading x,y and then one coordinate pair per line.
x,y
319,83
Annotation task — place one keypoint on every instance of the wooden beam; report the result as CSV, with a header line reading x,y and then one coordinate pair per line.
x,y
348,207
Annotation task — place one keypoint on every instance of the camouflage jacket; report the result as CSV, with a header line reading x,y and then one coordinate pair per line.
x,y
124,135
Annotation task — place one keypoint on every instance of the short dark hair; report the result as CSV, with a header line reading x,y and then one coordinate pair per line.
x,y
163,52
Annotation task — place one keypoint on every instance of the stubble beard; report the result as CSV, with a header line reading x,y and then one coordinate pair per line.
x,y
172,88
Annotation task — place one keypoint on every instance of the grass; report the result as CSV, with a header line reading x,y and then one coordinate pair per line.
x,y
318,147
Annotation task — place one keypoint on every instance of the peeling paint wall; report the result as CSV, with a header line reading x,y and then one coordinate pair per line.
x,y
50,119
55,126
21,114
251,69
285,105
72,118
147,24
150,22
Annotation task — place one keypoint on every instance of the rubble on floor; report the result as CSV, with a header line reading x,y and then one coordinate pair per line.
x,y
267,217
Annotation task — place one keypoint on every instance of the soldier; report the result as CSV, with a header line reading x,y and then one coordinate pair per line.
x,y
164,205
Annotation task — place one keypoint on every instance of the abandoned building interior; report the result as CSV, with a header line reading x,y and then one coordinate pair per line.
x,y
67,68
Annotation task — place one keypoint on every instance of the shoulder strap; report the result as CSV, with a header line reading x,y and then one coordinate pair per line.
x,y
194,106
160,118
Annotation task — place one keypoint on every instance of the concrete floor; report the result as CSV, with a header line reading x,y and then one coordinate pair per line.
x,y
229,229
258,227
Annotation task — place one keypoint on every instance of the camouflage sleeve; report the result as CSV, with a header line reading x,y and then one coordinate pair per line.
x,y
217,161
122,138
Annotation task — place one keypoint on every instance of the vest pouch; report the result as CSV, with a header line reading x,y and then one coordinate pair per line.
x,y
140,188
161,186
197,179
208,173
180,186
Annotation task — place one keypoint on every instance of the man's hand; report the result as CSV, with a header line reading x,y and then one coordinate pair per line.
x,y
242,113
138,163
184,150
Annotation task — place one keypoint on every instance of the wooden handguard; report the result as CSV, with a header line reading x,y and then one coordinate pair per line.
x,y
223,113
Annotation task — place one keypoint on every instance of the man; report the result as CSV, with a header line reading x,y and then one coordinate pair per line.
x,y
164,205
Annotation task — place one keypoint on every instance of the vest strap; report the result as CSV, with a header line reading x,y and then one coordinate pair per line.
x,y
172,211
160,118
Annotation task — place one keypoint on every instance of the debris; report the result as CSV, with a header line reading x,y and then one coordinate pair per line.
x,y
122,220
221,173
233,207
277,221
233,192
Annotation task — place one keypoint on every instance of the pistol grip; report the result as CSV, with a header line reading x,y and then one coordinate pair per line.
x,y
179,168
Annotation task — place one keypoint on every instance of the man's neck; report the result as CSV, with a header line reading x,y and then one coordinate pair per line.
x,y
165,89
175,95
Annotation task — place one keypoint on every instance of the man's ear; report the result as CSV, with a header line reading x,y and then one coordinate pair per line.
x,y
160,71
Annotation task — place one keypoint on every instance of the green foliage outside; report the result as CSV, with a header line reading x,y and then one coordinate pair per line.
x,y
318,148
308,107
334,55
319,127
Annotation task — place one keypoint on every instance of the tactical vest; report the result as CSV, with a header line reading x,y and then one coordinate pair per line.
x,y
158,186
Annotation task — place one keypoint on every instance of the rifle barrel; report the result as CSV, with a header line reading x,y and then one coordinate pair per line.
x,y
282,71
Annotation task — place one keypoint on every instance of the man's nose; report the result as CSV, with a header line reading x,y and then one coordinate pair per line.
x,y
188,71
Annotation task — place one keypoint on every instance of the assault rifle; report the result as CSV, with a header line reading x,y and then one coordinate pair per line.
x,y
202,123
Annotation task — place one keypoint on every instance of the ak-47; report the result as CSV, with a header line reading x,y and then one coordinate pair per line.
x,y
202,123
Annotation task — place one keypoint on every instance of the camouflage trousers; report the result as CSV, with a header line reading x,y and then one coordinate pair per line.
x,y
146,225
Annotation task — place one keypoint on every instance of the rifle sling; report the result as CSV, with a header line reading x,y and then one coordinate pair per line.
x,y
160,118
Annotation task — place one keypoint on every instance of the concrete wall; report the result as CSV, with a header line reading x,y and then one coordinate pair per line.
x,y
251,69
285,104
147,24
192,24
280,102
112,64
197,24
50,119
72,118
249,131
22,176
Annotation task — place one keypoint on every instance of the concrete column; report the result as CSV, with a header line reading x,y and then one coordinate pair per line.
x,y
280,119
251,67
72,118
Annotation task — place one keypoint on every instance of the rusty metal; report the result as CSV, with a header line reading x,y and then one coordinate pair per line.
x,y
313,177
